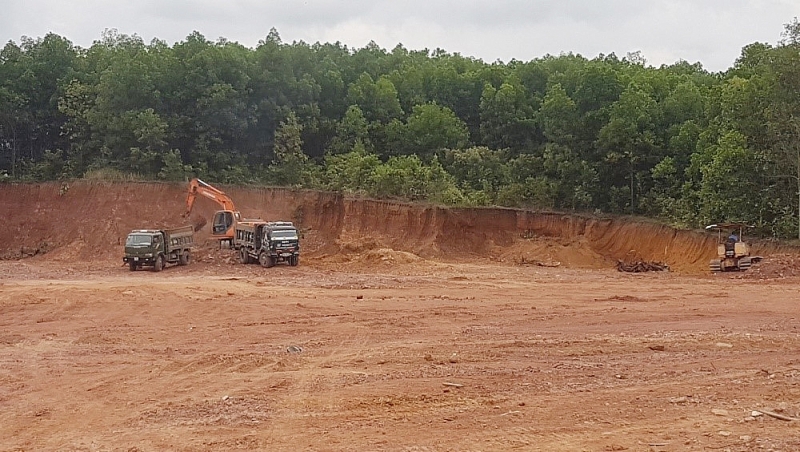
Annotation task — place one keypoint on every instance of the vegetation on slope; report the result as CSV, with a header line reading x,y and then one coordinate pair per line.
x,y
611,134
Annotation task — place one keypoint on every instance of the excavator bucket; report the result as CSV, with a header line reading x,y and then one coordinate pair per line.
x,y
198,223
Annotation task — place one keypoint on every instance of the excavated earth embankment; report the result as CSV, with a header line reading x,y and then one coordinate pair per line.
x,y
89,220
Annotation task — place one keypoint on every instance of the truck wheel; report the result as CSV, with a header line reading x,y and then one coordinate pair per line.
x,y
243,256
132,266
265,260
294,260
159,264
183,259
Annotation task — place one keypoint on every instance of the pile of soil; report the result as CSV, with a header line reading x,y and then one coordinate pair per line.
x,y
574,252
775,266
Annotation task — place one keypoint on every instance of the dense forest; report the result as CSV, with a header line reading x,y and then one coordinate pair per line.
x,y
565,132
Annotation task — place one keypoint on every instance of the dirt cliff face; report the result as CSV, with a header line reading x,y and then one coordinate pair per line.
x,y
90,220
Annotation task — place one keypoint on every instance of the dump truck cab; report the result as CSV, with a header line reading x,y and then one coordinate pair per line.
x,y
143,245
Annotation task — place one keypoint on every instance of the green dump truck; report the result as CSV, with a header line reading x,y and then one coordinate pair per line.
x,y
267,242
158,247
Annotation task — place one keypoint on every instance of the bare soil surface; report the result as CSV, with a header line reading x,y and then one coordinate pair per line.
x,y
406,328
404,354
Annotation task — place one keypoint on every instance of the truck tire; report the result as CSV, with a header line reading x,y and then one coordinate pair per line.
x,y
183,259
294,260
132,265
244,257
266,260
158,265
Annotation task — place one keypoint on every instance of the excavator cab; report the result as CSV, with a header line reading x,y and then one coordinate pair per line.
x,y
733,253
224,220
223,224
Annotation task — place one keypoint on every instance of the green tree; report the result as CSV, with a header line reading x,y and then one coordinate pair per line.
x,y
429,128
729,189
377,99
629,142
479,172
353,129
572,181
784,112
507,117
559,116
351,172
174,169
409,178
290,165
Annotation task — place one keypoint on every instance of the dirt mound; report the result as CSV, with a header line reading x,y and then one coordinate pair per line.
x,y
575,252
775,266
382,258
91,219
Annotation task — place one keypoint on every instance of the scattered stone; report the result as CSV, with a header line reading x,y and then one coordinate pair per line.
x,y
226,397
679,400
359,297
724,345
526,261
658,348
756,413
718,412
294,349
724,433
745,438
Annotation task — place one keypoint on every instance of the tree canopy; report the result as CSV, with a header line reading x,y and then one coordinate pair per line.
x,y
606,134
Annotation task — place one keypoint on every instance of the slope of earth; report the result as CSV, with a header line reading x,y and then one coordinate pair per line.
x,y
89,222
416,356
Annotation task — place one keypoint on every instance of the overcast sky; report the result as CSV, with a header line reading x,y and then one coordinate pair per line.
x,y
712,32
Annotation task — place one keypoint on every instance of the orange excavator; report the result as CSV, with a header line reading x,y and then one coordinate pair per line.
x,y
222,227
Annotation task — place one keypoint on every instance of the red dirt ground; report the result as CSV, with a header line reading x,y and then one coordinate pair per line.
x,y
405,328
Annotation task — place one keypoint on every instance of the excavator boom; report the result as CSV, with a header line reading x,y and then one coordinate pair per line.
x,y
225,219
198,187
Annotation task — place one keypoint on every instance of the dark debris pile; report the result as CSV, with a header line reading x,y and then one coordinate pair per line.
x,y
641,266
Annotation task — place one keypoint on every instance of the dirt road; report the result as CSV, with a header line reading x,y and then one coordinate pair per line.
x,y
424,356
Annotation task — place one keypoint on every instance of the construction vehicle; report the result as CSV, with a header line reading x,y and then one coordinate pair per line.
x,y
267,243
158,247
733,253
224,220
